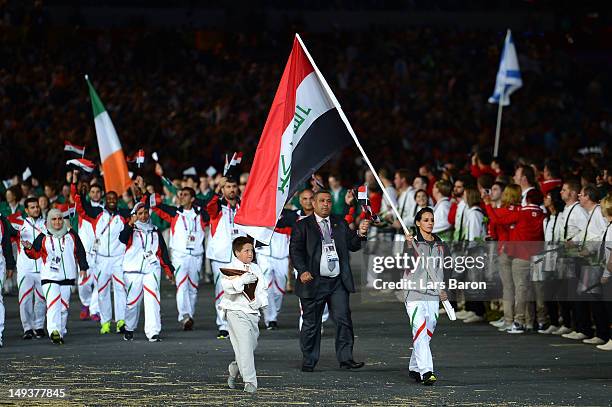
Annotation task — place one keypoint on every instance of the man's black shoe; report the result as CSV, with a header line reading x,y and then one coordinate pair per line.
x,y
39,333
307,369
351,364
272,325
29,334
415,375
429,379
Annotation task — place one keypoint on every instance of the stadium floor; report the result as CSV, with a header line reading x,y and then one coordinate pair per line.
x,y
476,365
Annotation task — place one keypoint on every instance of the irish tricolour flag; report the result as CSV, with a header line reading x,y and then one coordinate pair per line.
x,y
304,129
115,169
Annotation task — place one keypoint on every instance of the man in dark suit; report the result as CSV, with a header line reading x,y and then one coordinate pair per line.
x,y
319,250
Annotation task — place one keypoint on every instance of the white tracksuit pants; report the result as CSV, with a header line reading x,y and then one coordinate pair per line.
x,y
243,332
216,269
143,287
423,318
87,287
187,278
111,269
31,300
58,302
325,315
2,272
275,270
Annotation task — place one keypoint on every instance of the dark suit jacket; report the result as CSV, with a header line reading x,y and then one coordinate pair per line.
x,y
305,251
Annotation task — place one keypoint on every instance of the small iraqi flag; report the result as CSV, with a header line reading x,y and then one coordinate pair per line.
x,y
81,164
304,129
231,164
73,148
138,158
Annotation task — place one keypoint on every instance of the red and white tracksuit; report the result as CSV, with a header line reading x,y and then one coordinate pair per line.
x,y
274,263
145,255
62,257
187,232
223,231
88,290
31,298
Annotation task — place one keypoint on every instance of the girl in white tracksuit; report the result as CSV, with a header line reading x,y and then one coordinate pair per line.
x,y
146,254
423,301
242,314
62,255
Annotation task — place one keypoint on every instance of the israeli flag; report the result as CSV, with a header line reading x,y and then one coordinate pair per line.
x,y
509,74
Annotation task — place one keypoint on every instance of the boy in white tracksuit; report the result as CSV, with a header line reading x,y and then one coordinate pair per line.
x,y
31,298
144,258
7,262
423,302
62,255
242,313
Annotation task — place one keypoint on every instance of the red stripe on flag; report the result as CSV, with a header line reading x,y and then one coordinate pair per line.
x,y
261,209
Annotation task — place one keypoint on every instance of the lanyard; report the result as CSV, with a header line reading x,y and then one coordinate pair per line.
x,y
602,248
331,233
33,226
195,224
107,226
143,242
62,245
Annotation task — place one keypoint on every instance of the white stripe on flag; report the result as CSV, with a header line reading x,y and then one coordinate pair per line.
x,y
108,141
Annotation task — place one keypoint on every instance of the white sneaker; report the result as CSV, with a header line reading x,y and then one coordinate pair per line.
x,y
562,331
250,388
548,331
475,318
233,375
578,336
607,346
594,341
498,323
465,315
506,326
516,329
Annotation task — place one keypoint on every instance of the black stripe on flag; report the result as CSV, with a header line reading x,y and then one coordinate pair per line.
x,y
325,137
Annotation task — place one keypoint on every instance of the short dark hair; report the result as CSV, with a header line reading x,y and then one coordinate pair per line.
x,y
190,190
403,173
95,186
528,172
534,197
592,192
239,243
424,179
485,157
485,181
321,191
555,197
30,200
553,167
573,185
421,212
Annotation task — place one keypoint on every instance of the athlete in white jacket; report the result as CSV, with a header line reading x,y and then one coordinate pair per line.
x,y
31,299
62,255
107,252
222,210
187,232
145,256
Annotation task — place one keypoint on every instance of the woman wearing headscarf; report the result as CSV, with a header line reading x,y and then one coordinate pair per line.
x,y
62,255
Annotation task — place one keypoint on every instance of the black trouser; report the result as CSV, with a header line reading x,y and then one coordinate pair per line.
x,y
330,292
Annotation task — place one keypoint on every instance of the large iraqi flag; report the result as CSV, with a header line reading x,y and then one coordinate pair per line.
x,y
116,177
304,129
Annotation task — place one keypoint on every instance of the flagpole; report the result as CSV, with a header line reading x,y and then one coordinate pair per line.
x,y
499,117
335,102
446,304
